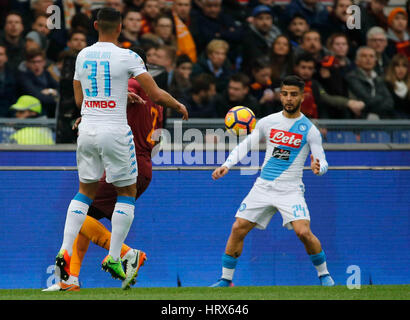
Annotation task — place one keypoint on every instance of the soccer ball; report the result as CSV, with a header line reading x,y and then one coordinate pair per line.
x,y
240,120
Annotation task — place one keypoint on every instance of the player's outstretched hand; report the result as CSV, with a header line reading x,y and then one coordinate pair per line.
x,y
135,98
76,123
314,164
182,110
219,172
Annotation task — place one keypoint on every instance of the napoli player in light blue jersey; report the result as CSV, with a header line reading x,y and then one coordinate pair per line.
x,y
289,137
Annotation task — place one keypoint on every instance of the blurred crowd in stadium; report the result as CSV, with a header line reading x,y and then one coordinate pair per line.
x,y
216,54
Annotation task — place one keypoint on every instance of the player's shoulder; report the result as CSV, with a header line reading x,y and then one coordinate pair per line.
x,y
312,128
128,53
269,119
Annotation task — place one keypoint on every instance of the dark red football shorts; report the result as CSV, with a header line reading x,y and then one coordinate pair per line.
x,y
106,197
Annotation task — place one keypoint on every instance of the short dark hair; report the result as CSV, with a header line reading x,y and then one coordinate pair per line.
x,y
108,19
260,63
240,77
201,82
310,31
293,80
148,44
13,13
76,31
306,57
183,58
299,16
35,52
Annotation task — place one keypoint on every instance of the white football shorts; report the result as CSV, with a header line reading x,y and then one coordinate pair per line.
x,y
267,197
109,148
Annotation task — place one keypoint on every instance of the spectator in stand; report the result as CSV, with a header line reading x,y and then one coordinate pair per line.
x,y
181,79
333,70
366,85
164,28
181,10
261,87
260,36
276,10
334,67
39,33
397,35
199,100
313,10
166,57
38,8
150,12
281,59
150,49
77,40
68,111
131,26
337,23
212,23
40,25
398,82
12,39
338,45
8,93
236,94
38,82
215,63
296,29
312,44
317,102
377,39
28,107
372,15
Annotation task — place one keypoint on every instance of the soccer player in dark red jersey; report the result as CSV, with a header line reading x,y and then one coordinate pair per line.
x,y
144,117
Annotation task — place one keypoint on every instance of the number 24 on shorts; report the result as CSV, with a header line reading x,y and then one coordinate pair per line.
x,y
298,210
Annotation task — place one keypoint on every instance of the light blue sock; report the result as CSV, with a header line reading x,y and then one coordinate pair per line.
x,y
319,261
228,266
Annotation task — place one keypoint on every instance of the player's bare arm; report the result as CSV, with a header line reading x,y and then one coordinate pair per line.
x,y
159,96
314,164
78,93
219,172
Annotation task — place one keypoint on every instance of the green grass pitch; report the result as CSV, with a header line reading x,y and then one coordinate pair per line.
x,y
366,292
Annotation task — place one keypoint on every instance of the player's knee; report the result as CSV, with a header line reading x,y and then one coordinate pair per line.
x,y
304,234
239,229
